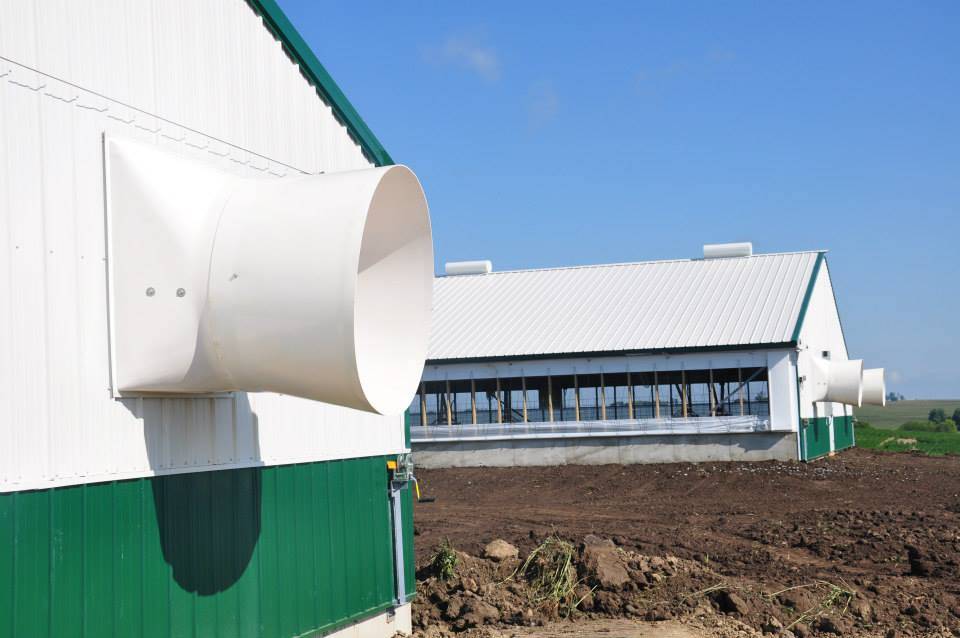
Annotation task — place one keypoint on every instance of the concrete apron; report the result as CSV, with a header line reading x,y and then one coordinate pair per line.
x,y
626,450
385,625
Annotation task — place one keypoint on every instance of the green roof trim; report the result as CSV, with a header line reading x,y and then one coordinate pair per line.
x,y
299,51
821,257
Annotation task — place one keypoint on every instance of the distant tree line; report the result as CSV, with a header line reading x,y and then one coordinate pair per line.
x,y
937,415
937,421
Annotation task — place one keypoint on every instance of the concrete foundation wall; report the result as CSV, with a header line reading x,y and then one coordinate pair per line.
x,y
666,448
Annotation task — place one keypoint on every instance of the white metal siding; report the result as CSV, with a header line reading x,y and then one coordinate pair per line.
x,y
782,389
206,79
209,66
609,308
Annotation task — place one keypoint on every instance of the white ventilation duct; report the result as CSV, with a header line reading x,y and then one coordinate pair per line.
x,y
315,286
874,388
455,268
718,251
837,381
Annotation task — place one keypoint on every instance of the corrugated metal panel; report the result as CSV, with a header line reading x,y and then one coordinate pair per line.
x,y
815,437
210,67
312,69
204,79
620,307
269,552
842,432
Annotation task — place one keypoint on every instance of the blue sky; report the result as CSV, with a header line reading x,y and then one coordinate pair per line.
x,y
550,135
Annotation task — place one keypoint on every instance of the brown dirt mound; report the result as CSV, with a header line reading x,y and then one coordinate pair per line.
x,y
862,545
483,592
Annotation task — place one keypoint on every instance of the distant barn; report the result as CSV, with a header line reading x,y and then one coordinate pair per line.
x,y
683,360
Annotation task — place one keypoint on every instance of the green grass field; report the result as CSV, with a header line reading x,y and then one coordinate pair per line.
x,y
932,443
899,412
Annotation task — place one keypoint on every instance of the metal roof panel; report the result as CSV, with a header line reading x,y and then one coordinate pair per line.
x,y
655,305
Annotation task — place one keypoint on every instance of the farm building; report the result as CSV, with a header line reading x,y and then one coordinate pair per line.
x,y
201,414
726,357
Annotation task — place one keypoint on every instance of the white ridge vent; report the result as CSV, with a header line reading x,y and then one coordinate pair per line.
x,y
479,267
719,251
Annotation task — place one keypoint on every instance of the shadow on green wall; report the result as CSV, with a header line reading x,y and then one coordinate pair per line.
x,y
209,522
209,525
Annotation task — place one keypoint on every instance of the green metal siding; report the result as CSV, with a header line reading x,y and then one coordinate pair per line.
x,y
815,436
268,552
842,432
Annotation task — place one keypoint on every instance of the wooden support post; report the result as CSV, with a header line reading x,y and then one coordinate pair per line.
x,y
713,398
603,399
740,390
656,395
423,404
576,398
499,403
629,397
550,397
523,381
473,401
449,404
683,391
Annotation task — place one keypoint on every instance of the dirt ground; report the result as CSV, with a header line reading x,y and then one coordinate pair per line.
x,y
861,544
600,628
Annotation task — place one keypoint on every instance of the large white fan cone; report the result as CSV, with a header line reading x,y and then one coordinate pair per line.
x,y
315,286
838,381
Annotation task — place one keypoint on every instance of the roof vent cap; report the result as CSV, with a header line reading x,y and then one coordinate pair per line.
x,y
479,267
719,251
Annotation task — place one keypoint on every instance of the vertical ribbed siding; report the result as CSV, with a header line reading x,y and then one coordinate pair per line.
x,y
270,552
842,432
54,350
310,66
815,437
210,67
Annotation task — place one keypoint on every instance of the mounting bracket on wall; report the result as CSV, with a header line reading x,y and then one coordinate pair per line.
x,y
316,286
